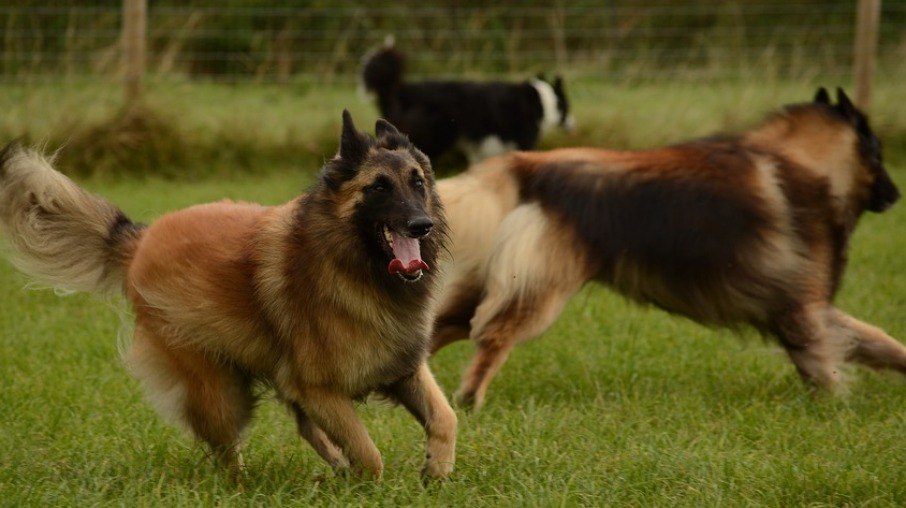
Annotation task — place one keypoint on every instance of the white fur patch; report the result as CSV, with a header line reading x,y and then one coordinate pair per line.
x,y
487,147
163,389
548,97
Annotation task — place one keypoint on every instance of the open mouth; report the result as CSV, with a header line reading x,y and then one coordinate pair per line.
x,y
406,260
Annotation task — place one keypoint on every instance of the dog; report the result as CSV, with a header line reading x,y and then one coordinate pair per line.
x,y
325,298
481,119
730,230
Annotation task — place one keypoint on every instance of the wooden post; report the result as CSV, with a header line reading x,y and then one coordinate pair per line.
x,y
135,21
867,19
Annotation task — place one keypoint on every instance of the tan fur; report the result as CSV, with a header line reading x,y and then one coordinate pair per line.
x,y
824,150
517,261
227,294
55,229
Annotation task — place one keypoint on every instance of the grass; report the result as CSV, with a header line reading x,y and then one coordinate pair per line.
x,y
614,405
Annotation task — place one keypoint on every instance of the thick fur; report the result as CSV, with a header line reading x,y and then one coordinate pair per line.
x,y
482,119
750,229
227,294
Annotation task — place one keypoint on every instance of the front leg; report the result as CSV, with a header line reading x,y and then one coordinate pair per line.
x,y
335,414
318,439
420,394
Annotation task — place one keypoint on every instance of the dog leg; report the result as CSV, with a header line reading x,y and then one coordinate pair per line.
x,y
446,333
499,327
488,359
318,439
871,346
814,350
421,395
334,414
457,309
212,398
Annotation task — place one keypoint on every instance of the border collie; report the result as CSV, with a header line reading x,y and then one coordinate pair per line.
x,y
480,118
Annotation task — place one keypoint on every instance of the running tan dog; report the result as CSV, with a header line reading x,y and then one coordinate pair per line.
x,y
325,298
726,231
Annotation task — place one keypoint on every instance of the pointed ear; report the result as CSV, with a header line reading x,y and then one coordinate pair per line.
x,y
844,104
821,96
352,143
558,83
384,128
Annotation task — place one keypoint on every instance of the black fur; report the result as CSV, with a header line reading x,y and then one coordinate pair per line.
x,y
396,197
676,225
727,230
437,114
884,192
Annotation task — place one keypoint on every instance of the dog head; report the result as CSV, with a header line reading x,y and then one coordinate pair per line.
x,y
554,104
880,193
385,187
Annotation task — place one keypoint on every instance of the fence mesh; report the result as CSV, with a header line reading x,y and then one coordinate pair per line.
x,y
251,40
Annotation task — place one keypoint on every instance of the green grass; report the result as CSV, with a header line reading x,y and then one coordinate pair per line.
x,y
614,405
194,131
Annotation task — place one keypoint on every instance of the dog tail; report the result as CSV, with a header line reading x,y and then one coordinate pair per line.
x,y
382,69
58,233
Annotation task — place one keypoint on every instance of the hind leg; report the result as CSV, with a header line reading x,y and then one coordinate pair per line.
x,y
870,345
456,310
814,350
536,265
213,399
318,439
498,327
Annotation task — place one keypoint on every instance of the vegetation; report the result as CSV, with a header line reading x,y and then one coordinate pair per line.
x,y
615,405
192,130
619,39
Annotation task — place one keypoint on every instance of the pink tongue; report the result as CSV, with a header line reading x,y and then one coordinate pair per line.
x,y
407,252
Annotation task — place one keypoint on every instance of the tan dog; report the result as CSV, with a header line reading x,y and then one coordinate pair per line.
x,y
325,298
749,229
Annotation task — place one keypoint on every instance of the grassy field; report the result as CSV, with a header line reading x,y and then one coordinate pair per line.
x,y
615,405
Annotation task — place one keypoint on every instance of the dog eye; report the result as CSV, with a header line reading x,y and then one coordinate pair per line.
x,y
417,181
379,185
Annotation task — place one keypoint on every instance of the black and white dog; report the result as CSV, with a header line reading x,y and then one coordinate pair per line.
x,y
480,118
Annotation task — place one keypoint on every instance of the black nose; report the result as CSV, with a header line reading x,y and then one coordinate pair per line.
x,y
419,227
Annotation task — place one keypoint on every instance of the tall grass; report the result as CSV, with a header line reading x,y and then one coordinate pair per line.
x,y
615,405
194,130
267,42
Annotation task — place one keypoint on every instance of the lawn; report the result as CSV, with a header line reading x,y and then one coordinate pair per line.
x,y
614,405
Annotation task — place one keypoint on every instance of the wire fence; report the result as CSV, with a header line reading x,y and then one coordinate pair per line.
x,y
251,40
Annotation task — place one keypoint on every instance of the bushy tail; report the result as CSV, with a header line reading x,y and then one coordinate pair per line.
x,y
60,234
382,70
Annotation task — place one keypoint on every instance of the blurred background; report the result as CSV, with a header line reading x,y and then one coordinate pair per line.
x,y
238,84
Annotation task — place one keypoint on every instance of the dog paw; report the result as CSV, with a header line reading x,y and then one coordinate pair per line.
x,y
436,470
467,401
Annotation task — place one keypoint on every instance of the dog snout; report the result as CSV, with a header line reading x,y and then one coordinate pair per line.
x,y
419,227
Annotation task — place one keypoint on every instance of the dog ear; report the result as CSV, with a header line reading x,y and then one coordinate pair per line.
x,y
384,128
821,96
353,148
844,105
558,83
353,144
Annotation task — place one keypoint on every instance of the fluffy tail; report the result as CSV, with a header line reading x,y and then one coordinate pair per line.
x,y
382,70
60,234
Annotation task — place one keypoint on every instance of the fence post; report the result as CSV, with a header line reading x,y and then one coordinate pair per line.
x,y
133,55
867,19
